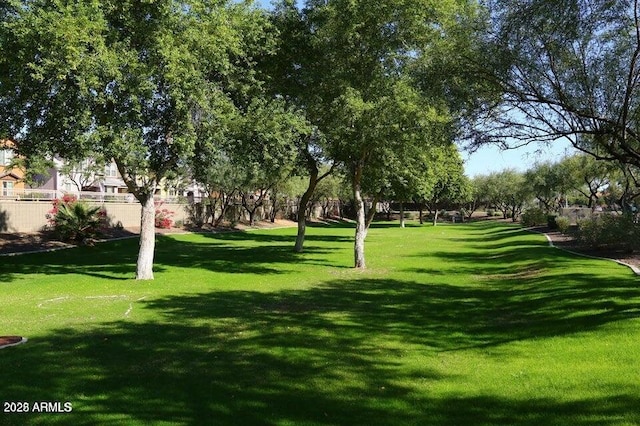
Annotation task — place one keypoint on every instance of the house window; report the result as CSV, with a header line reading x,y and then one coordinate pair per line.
x,y
5,157
111,170
7,189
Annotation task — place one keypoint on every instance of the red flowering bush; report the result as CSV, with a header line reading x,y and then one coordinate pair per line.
x,y
76,221
163,216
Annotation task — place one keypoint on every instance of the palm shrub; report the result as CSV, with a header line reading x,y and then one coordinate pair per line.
x,y
76,221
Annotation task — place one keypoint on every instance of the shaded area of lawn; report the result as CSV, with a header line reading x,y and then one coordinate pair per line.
x,y
369,349
334,354
237,252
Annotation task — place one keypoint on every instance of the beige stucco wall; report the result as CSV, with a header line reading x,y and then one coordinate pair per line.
x,y
30,216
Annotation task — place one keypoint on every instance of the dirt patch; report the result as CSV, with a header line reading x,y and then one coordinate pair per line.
x,y
524,274
24,242
568,242
41,241
7,341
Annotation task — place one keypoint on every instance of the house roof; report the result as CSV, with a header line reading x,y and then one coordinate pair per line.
x,y
10,175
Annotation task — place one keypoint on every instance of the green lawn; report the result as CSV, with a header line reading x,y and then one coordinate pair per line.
x,y
463,324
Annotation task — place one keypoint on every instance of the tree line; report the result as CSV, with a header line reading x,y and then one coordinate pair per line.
x,y
576,180
379,91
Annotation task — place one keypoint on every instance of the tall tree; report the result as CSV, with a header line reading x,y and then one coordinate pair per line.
x,y
588,176
292,76
449,184
354,78
509,192
138,82
549,183
265,151
624,189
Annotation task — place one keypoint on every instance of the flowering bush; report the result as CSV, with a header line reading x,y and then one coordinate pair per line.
x,y
73,220
163,217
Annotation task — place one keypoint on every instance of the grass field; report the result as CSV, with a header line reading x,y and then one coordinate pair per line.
x,y
479,324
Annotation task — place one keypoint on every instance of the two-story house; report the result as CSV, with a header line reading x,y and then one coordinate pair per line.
x,y
10,177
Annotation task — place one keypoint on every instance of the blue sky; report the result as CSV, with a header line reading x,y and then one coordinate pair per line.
x,y
492,159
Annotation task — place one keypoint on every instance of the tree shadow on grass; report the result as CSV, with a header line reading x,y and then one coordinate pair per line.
x,y
489,230
112,260
332,354
242,253
271,237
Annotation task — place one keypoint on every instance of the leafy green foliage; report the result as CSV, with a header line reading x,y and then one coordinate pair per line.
x,y
508,192
139,82
588,176
533,217
609,231
563,223
549,184
352,67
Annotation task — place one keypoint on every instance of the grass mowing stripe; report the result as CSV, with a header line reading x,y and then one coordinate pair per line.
x,y
457,324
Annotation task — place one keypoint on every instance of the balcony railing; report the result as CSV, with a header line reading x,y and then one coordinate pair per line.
x,y
30,194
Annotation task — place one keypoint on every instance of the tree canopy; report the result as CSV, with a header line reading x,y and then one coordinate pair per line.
x,y
567,69
359,72
139,82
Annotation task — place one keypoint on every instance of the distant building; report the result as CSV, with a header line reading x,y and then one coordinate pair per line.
x,y
87,176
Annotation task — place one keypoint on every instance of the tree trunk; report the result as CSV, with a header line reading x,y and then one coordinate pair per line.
x,y
144,267
435,217
314,179
361,226
302,210
274,210
420,213
371,214
211,209
225,201
401,214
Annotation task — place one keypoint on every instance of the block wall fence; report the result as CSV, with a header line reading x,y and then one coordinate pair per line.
x,y
30,216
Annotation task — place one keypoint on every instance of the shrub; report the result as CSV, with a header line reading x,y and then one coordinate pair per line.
x,y
76,221
163,216
489,212
533,217
611,231
563,223
551,221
